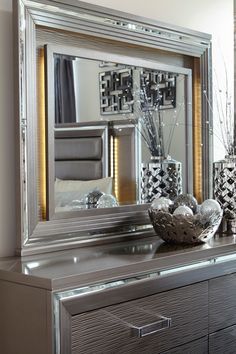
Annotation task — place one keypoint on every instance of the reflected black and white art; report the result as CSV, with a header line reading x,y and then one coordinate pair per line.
x,y
116,91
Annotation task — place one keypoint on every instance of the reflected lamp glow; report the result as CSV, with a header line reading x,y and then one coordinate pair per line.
x,y
42,134
112,156
33,265
116,166
197,131
30,266
131,26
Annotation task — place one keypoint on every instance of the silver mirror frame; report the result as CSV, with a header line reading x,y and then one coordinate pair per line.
x,y
35,236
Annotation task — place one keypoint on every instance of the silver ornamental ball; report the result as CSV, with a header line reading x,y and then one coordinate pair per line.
x,y
93,197
161,204
107,201
183,210
209,207
186,200
76,204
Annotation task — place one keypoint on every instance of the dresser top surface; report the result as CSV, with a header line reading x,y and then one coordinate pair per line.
x,y
58,270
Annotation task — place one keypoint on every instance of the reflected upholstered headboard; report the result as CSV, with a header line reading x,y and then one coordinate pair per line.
x,y
81,152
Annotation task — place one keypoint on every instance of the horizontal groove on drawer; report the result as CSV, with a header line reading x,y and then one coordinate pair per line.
x,y
222,302
199,346
223,342
106,331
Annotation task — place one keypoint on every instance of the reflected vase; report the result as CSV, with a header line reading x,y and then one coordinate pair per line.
x,y
160,178
224,189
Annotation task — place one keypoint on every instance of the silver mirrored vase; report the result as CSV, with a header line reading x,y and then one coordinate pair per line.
x,y
224,186
160,177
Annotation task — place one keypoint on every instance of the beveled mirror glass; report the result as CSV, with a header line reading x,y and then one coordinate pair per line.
x,y
83,72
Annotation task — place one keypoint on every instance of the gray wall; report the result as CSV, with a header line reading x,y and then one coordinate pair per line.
x,y
7,146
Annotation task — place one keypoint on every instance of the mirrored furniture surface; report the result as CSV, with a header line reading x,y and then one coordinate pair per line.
x,y
139,296
87,78
88,81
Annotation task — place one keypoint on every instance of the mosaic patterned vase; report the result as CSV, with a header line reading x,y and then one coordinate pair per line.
x,y
160,177
224,184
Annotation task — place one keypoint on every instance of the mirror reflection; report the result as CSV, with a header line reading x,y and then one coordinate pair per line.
x,y
121,132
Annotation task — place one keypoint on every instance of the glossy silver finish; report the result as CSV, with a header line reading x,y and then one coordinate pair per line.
x,y
185,229
160,178
77,268
35,236
103,329
224,184
82,280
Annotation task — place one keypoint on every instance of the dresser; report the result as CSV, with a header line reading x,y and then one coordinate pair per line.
x,y
141,296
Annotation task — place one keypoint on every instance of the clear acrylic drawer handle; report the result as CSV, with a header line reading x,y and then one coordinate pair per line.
x,y
141,322
150,328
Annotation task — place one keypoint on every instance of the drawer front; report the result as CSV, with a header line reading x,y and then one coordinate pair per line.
x,y
222,302
223,342
111,329
199,346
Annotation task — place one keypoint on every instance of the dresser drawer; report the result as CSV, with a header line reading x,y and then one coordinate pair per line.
x,y
199,346
149,325
223,341
222,302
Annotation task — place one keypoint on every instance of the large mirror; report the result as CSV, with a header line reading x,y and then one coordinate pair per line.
x,y
103,99
109,120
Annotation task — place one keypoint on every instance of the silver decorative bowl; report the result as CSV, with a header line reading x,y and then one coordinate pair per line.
x,y
191,229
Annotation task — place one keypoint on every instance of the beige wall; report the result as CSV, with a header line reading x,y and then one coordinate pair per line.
x,y
212,16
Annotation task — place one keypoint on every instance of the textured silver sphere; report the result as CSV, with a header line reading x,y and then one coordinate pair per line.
x,y
92,198
183,210
76,204
161,204
186,200
209,207
107,201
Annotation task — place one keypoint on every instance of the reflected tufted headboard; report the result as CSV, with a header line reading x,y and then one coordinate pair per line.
x,y
81,152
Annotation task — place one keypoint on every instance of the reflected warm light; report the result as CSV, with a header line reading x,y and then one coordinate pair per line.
x,y
116,166
197,132
42,134
111,156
